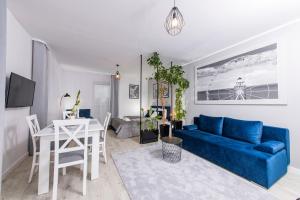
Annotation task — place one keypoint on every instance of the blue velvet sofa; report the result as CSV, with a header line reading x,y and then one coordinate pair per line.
x,y
247,148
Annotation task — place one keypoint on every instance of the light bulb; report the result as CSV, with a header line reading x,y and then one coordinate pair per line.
x,y
117,75
174,22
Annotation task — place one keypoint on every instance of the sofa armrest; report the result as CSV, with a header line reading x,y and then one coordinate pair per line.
x,y
271,147
190,127
277,134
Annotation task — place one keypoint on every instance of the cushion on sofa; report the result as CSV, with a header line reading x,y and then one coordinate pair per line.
x,y
271,147
190,127
249,131
210,124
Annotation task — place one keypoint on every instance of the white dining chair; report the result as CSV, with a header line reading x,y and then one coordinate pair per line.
x,y
67,114
34,128
69,155
102,142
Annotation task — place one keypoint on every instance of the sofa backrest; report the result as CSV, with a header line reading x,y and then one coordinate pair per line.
x,y
277,134
271,133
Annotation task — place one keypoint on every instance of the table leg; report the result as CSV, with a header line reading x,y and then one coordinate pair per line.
x,y
95,156
44,166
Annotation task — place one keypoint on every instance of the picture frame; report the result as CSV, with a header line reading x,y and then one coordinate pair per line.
x,y
166,94
241,76
134,91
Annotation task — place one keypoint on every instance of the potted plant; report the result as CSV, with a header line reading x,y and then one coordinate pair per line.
x,y
161,76
173,76
75,108
176,77
149,131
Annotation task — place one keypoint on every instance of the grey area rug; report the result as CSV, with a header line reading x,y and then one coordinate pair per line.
x,y
147,177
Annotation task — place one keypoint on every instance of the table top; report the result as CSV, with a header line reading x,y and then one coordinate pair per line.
x,y
171,140
94,125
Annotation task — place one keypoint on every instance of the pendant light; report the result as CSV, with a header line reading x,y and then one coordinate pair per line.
x,y
174,21
117,75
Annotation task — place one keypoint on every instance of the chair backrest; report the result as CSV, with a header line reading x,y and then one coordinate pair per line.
x,y
67,114
105,125
86,113
67,131
34,128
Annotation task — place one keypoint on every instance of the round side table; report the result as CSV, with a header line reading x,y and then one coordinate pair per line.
x,y
171,149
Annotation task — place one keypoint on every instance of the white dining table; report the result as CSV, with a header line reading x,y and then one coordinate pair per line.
x,y
47,136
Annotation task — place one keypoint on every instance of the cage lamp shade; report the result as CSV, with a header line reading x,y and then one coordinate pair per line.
x,y
117,75
174,22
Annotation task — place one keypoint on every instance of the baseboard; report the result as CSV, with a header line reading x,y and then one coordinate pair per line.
x,y
294,170
14,166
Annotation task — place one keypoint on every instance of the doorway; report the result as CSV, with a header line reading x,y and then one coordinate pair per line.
x,y
101,101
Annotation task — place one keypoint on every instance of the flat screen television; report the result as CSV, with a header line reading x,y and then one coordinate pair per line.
x,y
20,92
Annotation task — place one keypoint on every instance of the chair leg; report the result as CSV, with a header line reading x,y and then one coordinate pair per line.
x,y
64,171
32,168
55,183
104,153
84,178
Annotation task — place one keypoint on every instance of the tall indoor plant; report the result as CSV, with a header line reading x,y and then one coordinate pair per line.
x,y
160,75
173,76
181,84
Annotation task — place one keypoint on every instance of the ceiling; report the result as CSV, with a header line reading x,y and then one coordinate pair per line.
x,y
99,34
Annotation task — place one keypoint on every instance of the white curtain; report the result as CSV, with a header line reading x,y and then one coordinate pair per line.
x,y
2,75
40,76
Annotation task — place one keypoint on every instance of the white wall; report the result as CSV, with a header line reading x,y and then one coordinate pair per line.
x,y
131,107
2,76
128,107
288,41
73,80
18,60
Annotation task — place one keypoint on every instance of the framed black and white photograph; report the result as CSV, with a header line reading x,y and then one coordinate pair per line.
x,y
134,91
166,91
247,78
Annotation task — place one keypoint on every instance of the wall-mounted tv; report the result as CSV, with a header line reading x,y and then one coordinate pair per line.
x,y
20,92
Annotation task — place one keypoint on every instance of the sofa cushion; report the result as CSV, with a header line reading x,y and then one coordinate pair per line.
x,y
271,147
190,127
249,131
211,124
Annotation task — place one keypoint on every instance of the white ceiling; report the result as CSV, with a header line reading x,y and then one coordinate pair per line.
x,y
99,34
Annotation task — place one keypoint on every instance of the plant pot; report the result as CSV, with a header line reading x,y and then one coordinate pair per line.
x,y
164,130
177,125
147,136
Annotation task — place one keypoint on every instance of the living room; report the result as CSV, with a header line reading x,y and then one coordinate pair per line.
x,y
179,99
